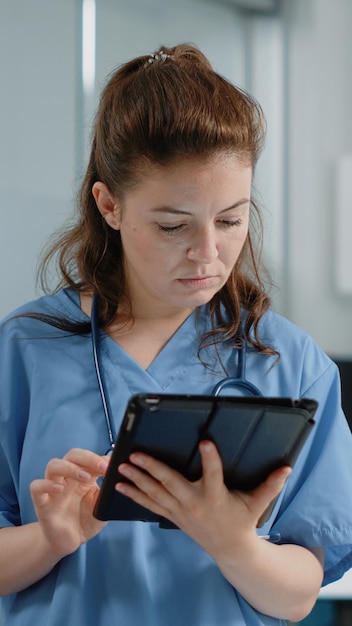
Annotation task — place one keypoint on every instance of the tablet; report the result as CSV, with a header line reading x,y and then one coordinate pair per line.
x,y
254,436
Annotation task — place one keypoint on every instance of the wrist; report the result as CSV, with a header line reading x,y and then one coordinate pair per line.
x,y
237,549
50,552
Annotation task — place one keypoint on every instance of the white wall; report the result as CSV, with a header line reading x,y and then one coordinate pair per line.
x,y
320,131
37,130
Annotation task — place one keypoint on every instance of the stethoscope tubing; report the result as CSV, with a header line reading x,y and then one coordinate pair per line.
x,y
98,369
240,381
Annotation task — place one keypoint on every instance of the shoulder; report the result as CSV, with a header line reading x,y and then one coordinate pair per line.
x,y
277,330
299,352
274,322
282,334
63,304
29,346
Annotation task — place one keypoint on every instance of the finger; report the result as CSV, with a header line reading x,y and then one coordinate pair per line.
x,y
77,464
143,499
172,481
91,461
42,489
267,492
212,467
146,491
275,482
58,470
160,488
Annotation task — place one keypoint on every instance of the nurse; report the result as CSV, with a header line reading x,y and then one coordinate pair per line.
x,y
166,237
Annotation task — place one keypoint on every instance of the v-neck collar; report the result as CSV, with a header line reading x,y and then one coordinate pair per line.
x,y
171,361
168,365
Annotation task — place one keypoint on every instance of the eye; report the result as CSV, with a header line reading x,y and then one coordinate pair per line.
x,y
170,230
230,223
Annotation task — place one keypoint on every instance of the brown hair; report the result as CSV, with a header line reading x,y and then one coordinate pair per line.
x,y
156,110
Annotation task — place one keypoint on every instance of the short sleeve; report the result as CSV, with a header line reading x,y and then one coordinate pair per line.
x,y
316,509
9,507
14,403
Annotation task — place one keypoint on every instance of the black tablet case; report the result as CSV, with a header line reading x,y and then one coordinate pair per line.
x,y
254,437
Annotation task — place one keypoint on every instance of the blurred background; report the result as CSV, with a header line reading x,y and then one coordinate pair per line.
x,y
294,56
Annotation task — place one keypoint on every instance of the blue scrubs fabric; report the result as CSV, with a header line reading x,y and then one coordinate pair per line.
x,y
134,572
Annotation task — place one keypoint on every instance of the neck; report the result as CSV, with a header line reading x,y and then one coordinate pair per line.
x,y
143,338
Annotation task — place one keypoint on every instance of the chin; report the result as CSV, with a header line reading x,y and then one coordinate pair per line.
x,y
195,301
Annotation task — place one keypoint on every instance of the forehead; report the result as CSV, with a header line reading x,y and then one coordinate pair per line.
x,y
194,172
196,186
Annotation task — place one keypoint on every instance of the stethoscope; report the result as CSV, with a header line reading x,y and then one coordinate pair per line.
x,y
239,381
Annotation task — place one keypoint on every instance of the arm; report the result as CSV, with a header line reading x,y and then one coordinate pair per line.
x,y
25,557
64,502
281,581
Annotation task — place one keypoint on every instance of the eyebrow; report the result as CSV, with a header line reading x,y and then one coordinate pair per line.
x,y
172,210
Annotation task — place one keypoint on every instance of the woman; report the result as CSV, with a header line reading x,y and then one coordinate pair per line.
x,y
166,239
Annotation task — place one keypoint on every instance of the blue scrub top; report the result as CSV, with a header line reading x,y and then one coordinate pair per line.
x,y
134,572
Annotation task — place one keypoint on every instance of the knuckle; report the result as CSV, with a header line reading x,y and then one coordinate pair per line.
x,y
52,464
167,482
154,493
73,453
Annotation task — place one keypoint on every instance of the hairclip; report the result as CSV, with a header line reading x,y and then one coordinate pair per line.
x,y
158,56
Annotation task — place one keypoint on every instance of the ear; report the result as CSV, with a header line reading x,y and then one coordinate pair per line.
x,y
106,204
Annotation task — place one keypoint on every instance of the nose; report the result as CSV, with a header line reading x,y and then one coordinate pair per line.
x,y
203,246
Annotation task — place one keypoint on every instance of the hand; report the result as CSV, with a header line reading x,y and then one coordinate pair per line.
x,y
206,510
65,498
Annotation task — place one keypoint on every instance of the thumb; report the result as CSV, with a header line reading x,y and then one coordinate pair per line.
x,y
275,482
267,491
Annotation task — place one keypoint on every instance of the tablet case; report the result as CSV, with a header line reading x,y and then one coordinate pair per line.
x,y
254,436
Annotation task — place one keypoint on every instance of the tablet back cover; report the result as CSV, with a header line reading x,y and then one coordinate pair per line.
x,y
254,436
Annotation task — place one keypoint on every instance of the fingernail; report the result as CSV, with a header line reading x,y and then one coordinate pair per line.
x,y
283,478
103,466
125,470
207,446
57,487
137,459
84,475
122,487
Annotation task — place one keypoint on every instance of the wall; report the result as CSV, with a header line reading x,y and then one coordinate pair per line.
x,y
37,130
319,133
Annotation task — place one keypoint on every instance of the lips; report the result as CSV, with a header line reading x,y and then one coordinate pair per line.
x,y
196,277
200,281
